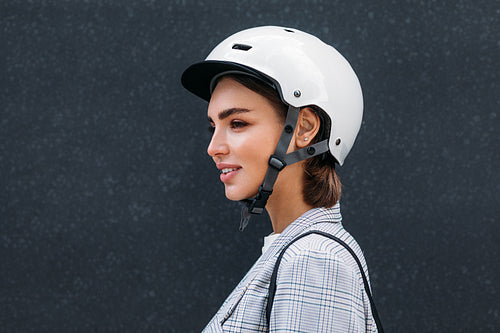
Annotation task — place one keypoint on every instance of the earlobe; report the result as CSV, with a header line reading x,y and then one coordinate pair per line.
x,y
308,126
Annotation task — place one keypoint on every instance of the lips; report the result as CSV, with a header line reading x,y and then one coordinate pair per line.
x,y
227,171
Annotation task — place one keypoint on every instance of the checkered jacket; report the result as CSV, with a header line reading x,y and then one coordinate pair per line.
x,y
319,286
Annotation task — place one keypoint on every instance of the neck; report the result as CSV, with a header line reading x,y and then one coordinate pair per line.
x,y
287,203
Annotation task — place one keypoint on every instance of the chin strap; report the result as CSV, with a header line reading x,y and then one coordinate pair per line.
x,y
277,162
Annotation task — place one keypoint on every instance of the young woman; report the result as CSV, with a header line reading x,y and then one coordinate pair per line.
x,y
284,108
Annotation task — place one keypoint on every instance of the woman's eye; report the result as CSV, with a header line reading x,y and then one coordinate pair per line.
x,y
238,124
211,129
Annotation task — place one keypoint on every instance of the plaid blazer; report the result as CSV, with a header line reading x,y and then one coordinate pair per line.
x,y
319,286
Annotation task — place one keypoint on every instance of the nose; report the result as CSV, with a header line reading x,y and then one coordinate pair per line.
x,y
218,144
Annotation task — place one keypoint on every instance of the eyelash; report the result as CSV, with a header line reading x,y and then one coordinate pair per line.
x,y
235,124
238,124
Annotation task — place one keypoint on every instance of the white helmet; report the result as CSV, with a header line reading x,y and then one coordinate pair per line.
x,y
304,70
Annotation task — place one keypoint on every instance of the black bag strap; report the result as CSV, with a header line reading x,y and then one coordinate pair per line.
x,y
272,284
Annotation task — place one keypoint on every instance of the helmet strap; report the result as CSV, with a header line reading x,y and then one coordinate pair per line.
x,y
279,160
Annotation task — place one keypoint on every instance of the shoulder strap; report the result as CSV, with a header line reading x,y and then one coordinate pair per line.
x,y
272,284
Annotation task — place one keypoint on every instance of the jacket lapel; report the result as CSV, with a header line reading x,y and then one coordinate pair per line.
x,y
234,298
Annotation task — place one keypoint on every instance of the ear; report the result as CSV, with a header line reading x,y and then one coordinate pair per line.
x,y
308,126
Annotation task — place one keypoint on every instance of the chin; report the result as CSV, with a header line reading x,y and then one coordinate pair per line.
x,y
239,195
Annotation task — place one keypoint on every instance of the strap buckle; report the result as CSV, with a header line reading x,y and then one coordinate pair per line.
x,y
256,206
276,162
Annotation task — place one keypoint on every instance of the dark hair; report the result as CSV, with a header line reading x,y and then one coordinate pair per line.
x,y
322,187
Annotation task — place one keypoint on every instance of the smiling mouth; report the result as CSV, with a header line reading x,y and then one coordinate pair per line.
x,y
227,170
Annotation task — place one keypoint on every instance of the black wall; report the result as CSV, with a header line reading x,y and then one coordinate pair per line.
x,y
112,216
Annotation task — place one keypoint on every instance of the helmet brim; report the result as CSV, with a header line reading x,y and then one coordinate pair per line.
x,y
198,77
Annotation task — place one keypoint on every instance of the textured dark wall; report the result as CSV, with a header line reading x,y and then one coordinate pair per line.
x,y
112,216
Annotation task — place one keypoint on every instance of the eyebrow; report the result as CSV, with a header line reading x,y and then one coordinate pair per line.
x,y
228,112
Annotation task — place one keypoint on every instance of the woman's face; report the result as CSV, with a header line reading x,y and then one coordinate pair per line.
x,y
246,130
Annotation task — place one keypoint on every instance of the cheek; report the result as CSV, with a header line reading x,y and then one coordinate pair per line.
x,y
252,150
261,144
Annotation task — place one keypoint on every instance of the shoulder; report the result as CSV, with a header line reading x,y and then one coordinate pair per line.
x,y
324,238
316,278
314,248
326,256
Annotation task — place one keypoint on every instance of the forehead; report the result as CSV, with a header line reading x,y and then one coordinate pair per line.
x,y
229,94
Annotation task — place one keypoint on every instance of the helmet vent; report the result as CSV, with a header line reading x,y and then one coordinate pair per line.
x,y
242,47
288,30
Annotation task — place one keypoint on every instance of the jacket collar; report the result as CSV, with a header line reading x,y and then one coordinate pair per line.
x,y
297,227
